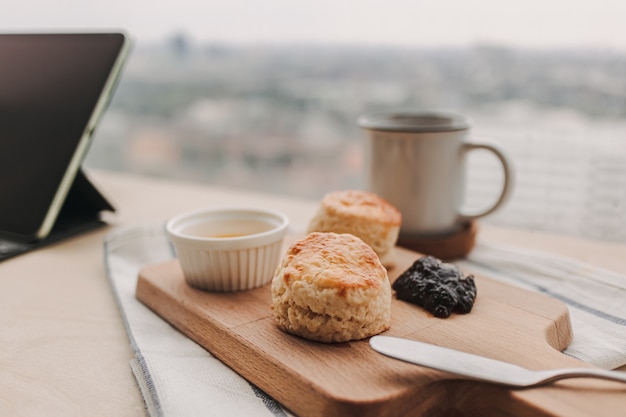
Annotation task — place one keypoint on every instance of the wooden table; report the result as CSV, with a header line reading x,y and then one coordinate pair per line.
x,y
63,347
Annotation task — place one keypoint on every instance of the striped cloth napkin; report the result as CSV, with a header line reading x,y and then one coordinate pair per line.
x,y
177,377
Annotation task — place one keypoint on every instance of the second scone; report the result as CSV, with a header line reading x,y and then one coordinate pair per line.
x,y
363,214
331,288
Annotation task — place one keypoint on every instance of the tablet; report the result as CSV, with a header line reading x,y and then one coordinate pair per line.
x,y
54,89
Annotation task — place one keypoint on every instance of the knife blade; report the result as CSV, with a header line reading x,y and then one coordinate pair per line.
x,y
449,360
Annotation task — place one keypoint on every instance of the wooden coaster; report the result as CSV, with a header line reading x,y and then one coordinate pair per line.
x,y
445,247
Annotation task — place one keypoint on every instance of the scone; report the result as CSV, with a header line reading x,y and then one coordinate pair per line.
x,y
331,287
363,214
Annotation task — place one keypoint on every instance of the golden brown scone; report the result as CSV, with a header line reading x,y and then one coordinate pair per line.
x,y
363,214
331,287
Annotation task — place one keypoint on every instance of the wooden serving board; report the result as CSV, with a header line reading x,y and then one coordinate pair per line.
x,y
350,379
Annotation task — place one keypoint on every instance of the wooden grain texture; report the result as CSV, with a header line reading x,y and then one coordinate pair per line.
x,y
349,379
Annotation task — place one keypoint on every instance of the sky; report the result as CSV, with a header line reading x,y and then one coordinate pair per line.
x,y
544,24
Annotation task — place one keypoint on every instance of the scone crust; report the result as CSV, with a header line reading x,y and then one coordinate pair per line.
x,y
331,288
363,214
363,205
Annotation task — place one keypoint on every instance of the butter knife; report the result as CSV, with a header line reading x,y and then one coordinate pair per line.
x,y
477,367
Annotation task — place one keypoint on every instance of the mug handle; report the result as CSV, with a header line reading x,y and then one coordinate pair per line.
x,y
507,167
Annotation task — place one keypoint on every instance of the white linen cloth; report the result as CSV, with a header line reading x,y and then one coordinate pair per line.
x,y
177,377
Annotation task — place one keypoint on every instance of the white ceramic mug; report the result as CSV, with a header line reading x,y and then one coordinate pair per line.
x,y
416,161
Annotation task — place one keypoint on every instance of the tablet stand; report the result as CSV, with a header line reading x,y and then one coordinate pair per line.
x,y
80,213
81,209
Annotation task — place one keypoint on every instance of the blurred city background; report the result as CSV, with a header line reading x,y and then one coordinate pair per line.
x,y
266,97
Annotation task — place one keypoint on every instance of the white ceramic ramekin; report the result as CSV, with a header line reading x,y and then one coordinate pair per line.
x,y
228,249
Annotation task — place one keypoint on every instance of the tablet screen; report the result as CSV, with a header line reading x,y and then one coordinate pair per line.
x,y
54,88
